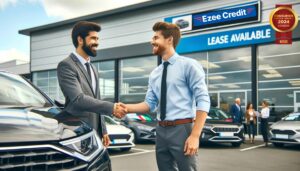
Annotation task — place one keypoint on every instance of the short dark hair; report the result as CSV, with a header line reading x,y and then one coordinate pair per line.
x,y
168,30
82,29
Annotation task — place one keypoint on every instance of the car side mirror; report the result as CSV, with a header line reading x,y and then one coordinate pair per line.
x,y
58,103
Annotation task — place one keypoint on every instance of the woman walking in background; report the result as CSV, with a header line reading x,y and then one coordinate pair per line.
x,y
251,121
265,113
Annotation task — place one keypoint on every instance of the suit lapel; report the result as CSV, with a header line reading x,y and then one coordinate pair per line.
x,y
96,79
81,67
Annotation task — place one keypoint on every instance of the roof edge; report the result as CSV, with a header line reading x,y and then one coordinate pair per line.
x,y
89,17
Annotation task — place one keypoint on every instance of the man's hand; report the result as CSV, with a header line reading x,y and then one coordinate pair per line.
x,y
120,110
191,145
106,140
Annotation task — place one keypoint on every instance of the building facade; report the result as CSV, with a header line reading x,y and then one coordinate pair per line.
x,y
253,68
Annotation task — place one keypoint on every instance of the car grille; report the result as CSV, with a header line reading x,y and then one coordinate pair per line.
x,y
45,159
220,129
288,132
225,139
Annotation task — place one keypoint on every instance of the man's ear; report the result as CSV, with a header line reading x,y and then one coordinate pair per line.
x,y
79,40
170,40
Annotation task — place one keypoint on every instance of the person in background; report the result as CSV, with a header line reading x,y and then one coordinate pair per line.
x,y
237,114
236,111
251,121
264,114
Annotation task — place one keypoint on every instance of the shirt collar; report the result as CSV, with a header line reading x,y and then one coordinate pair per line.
x,y
81,59
173,58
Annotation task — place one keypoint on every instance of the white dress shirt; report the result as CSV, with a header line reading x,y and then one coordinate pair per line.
x,y
265,112
83,61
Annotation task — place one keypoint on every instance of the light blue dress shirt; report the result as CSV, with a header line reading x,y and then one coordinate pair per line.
x,y
186,89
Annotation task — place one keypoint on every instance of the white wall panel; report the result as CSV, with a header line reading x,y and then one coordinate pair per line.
x,y
48,47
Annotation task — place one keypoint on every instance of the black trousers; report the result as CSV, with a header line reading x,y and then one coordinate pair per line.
x,y
264,125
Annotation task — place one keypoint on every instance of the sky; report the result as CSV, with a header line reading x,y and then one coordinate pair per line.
x,y
17,15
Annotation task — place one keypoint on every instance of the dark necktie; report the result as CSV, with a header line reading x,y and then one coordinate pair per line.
x,y
163,92
88,69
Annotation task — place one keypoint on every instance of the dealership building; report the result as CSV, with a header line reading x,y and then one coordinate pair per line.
x,y
233,41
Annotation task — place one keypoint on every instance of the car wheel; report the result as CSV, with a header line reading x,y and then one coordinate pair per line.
x,y
278,144
236,144
135,140
125,149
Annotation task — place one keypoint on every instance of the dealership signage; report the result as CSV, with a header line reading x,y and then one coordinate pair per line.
x,y
223,17
226,39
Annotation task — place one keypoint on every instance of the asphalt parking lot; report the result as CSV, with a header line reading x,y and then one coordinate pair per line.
x,y
248,157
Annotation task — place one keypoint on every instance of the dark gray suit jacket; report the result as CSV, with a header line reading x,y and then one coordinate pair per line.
x,y
81,101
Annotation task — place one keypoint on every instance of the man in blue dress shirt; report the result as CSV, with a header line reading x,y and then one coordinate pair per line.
x,y
177,91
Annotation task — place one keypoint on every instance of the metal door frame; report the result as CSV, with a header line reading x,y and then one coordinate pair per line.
x,y
296,105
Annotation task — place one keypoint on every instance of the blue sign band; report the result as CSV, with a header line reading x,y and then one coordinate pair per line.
x,y
226,39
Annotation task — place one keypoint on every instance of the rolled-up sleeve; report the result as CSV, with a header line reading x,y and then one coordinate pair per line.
x,y
151,99
196,81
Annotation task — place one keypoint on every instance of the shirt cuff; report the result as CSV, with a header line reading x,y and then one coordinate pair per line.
x,y
203,107
151,107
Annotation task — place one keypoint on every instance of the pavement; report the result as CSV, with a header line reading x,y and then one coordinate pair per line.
x,y
217,157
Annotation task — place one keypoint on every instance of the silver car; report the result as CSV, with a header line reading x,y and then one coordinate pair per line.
x,y
286,131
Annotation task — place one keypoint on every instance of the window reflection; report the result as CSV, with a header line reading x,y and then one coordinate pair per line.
x,y
278,77
106,72
228,75
134,75
47,82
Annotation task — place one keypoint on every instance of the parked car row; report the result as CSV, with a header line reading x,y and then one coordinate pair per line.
x,y
35,134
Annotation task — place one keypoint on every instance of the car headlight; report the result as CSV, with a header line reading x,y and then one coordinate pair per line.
x,y
207,127
87,145
145,128
241,127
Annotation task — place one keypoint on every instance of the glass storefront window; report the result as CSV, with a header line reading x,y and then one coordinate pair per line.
x,y
228,75
134,75
106,71
47,82
278,77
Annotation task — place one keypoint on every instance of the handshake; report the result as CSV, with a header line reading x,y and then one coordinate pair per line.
x,y
120,110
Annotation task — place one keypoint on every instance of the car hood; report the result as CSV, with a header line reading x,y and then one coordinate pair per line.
x,y
20,124
286,125
117,129
151,124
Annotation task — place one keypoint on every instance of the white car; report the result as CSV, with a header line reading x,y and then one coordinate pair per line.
x,y
286,131
120,136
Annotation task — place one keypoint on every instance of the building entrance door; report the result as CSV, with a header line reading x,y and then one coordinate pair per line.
x,y
297,101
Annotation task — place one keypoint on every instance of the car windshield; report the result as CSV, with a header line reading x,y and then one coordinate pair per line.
x,y
110,121
17,92
218,114
139,117
292,117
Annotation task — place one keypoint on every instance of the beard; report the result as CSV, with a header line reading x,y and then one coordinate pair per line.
x,y
88,49
158,50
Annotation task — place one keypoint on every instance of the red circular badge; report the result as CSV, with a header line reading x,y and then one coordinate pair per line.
x,y
283,19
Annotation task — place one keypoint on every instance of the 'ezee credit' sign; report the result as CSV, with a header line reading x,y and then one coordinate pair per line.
x,y
227,16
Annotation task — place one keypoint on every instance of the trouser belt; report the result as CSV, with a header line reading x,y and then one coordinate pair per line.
x,y
176,122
